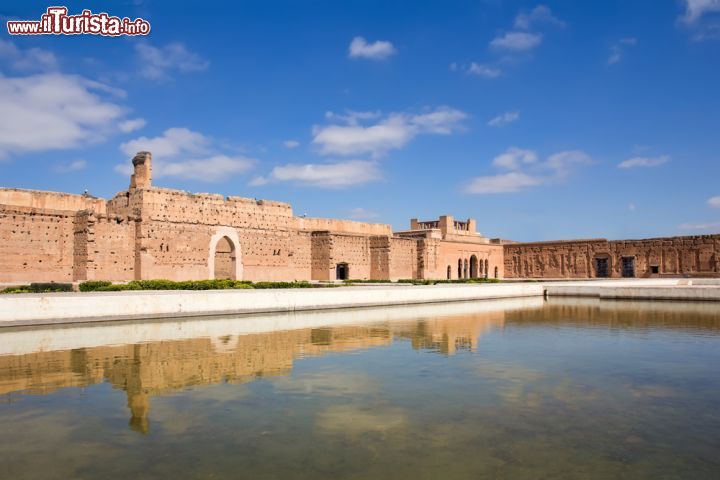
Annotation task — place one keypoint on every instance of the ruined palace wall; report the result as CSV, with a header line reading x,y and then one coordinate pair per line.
x,y
353,250
321,247
341,226
50,200
177,206
670,256
330,248
177,228
449,252
110,247
403,262
36,245
379,257
181,251
564,259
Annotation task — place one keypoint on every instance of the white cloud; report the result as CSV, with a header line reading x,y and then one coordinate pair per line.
x,y
54,111
540,14
131,125
391,132
352,117
26,60
183,153
360,213
503,183
173,142
563,163
211,169
517,41
513,158
324,175
645,162
477,69
695,9
617,50
379,50
484,71
714,202
504,119
527,171
74,166
701,227
159,62
291,144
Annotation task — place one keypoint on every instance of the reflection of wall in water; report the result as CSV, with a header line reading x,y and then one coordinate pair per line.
x,y
452,334
143,370
156,368
621,314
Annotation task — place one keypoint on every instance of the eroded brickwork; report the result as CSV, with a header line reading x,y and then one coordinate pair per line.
x,y
36,244
146,232
656,257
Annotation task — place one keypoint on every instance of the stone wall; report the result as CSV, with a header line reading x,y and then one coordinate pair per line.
x,y
110,248
50,200
655,257
482,259
36,245
403,258
330,249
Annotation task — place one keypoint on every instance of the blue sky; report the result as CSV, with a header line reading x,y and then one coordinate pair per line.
x,y
542,120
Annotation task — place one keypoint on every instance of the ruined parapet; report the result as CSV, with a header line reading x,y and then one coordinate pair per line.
x,y
142,171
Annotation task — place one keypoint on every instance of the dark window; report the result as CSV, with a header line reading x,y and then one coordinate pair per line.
x,y
602,267
654,269
628,266
342,271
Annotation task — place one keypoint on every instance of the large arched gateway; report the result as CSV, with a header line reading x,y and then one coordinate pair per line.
x,y
225,260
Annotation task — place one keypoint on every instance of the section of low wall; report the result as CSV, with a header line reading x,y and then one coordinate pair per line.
x,y
682,290
24,309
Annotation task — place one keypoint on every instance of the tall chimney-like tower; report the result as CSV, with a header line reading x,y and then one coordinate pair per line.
x,y
142,164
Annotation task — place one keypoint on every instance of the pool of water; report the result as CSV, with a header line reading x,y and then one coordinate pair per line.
x,y
521,389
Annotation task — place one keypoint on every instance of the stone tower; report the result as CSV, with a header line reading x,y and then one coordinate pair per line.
x,y
142,165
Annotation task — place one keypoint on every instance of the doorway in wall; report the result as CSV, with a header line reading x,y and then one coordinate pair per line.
x,y
628,267
225,260
473,267
602,267
342,271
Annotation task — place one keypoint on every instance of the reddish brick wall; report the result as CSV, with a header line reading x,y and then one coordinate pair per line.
x,y
672,257
36,245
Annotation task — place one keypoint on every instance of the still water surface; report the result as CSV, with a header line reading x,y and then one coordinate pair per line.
x,y
520,389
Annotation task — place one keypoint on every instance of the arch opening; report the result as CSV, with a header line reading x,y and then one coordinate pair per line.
x,y
473,267
225,260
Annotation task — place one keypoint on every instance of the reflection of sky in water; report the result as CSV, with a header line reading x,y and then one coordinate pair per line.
x,y
577,389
